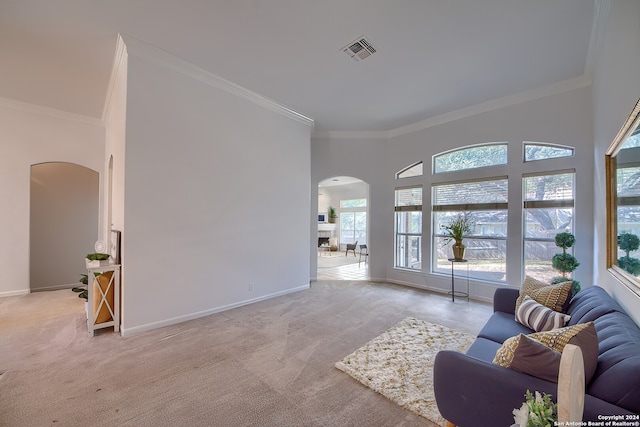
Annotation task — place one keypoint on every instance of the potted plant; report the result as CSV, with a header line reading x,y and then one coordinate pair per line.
x,y
629,242
97,260
456,230
332,215
536,411
564,262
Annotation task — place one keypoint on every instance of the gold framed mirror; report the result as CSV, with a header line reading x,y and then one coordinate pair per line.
x,y
622,168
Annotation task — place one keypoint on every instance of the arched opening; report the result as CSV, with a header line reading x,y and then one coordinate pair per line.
x,y
343,248
64,213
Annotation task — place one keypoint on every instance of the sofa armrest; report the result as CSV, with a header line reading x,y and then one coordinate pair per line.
x,y
470,392
504,299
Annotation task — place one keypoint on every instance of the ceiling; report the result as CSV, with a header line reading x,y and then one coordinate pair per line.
x,y
433,56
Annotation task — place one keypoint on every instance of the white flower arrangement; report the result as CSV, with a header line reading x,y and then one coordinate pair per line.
x,y
536,411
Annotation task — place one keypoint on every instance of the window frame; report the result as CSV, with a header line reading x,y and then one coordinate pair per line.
x,y
406,236
466,208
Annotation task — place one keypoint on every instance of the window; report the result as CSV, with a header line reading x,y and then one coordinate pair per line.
x,y
471,158
353,221
548,210
485,202
628,197
413,170
540,151
408,228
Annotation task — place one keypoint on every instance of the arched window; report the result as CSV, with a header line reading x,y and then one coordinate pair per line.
x,y
411,170
471,157
541,151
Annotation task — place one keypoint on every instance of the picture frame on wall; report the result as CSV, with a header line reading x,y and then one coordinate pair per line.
x,y
114,249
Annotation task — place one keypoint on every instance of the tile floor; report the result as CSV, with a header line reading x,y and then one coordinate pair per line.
x,y
344,272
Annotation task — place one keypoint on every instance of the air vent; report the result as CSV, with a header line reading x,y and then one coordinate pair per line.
x,y
359,49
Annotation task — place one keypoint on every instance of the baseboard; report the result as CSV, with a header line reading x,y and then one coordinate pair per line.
x,y
175,320
56,287
14,293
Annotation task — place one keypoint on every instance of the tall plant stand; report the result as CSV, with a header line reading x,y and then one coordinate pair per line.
x,y
453,291
103,298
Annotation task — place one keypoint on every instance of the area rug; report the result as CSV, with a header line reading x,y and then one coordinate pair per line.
x,y
399,363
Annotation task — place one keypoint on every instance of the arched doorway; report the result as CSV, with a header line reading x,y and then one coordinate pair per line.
x,y
64,213
343,244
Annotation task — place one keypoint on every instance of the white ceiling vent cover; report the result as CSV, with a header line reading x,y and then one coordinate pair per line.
x,y
359,49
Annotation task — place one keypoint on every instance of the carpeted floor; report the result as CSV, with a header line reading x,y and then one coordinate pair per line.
x,y
266,364
399,363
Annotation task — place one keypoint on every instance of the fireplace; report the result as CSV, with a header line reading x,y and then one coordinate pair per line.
x,y
323,241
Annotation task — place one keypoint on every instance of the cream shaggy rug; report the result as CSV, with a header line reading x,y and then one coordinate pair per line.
x,y
399,363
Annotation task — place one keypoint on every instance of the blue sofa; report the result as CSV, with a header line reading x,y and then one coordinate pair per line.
x,y
471,391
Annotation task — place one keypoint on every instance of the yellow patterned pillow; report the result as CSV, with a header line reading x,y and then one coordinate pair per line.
x,y
556,297
558,338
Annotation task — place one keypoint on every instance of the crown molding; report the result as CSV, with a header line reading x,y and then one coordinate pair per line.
x,y
159,56
507,101
51,112
119,56
332,134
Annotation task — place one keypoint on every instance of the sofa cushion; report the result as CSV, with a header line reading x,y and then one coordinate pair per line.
x,y
536,316
555,297
501,326
617,376
524,354
483,349
590,304
583,335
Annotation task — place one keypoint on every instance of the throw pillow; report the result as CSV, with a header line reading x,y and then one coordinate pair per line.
x,y
524,354
583,335
538,317
539,354
556,297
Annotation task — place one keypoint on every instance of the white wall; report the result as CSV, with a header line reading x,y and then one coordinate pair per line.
x,y
217,195
32,135
563,118
616,88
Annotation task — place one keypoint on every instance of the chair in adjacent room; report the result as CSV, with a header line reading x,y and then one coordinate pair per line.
x,y
364,252
351,247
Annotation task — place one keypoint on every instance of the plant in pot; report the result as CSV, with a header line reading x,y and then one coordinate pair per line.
x,y
565,263
538,410
629,242
96,259
456,230
332,215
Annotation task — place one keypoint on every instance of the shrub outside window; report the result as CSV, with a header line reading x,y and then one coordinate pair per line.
x,y
548,210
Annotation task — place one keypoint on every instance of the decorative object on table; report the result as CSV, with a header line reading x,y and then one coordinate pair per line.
x,y
456,230
629,242
536,411
332,215
564,262
399,363
97,260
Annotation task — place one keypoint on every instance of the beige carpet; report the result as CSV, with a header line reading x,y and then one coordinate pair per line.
x,y
266,364
399,363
